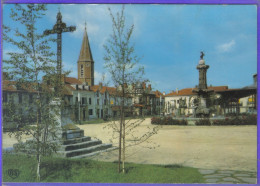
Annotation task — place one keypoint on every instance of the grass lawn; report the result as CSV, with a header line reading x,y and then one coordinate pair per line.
x,y
83,170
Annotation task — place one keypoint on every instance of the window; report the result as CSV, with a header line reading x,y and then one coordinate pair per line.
x,y
69,99
105,102
89,100
30,98
90,111
84,101
77,87
81,71
5,98
97,94
20,96
77,99
97,101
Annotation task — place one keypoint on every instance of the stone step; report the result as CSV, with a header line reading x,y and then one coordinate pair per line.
x,y
87,150
79,145
71,134
94,153
76,140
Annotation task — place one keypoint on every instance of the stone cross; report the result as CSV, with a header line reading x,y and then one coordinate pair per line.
x,y
58,29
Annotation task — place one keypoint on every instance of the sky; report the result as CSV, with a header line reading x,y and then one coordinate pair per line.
x,y
167,38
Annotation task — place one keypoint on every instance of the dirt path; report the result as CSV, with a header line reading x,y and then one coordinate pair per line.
x,y
208,147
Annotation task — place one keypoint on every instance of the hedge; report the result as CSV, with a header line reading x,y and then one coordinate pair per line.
x,y
168,121
242,120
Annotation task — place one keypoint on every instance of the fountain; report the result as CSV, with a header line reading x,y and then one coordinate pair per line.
x,y
202,90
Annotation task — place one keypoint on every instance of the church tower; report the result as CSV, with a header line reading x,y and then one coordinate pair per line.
x,y
85,62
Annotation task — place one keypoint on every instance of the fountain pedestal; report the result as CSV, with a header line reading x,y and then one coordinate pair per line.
x,y
202,90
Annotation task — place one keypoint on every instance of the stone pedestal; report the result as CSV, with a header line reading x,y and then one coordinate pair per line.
x,y
65,127
70,139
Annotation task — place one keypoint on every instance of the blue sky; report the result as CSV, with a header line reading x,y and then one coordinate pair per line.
x,y
168,38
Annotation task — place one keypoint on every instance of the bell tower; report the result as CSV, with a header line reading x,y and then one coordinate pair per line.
x,y
85,62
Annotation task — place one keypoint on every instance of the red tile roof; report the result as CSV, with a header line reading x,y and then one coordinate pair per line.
x,y
8,85
219,88
72,80
188,91
12,86
103,89
158,94
29,87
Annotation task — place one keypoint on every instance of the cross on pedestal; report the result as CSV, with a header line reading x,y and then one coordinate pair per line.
x,y
58,29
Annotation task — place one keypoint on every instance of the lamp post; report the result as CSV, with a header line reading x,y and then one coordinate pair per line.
x,y
79,105
151,102
160,104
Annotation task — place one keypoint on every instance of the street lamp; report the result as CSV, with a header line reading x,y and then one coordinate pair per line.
x,y
151,102
160,104
79,105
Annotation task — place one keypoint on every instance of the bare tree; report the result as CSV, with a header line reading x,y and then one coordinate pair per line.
x,y
104,80
32,59
122,64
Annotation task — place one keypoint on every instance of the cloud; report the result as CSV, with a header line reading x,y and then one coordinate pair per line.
x,y
98,20
72,67
226,47
98,76
7,50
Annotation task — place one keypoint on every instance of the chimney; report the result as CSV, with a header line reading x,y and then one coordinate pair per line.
x,y
5,76
255,79
144,85
149,87
177,91
133,86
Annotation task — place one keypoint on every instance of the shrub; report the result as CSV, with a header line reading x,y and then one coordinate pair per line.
x,y
155,120
243,120
168,121
203,122
250,119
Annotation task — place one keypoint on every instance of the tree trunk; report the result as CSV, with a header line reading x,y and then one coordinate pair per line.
x,y
38,167
123,127
123,136
120,140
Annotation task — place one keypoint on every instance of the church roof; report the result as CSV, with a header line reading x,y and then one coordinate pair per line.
x,y
85,51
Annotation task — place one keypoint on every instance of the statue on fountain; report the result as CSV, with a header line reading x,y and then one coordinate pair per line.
x,y
202,91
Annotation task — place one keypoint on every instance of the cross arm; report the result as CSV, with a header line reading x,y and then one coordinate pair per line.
x,y
47,32
69,29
